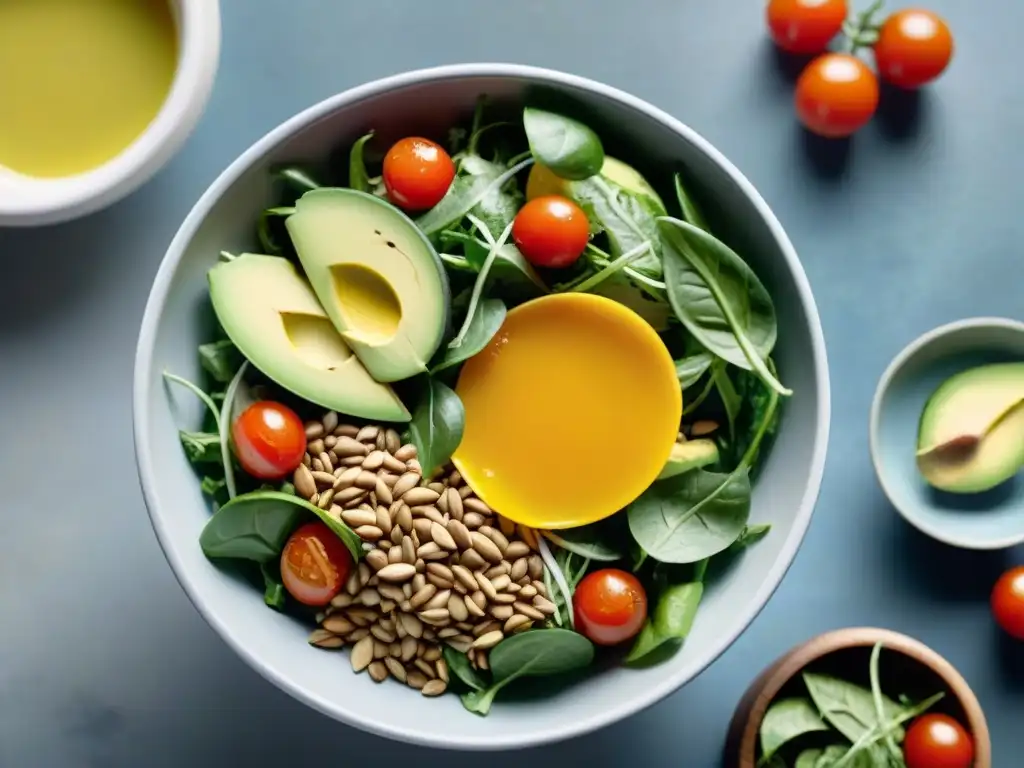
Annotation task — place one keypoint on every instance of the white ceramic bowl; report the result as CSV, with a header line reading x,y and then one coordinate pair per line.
x,y
178,318
28,201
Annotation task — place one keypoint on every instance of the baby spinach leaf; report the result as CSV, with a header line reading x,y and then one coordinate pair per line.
x,y
691,368
751,535
535,653
629,221
692,516
731,401
358,178
253,526
273,589
220,359
594,542
850,708
437,425
830,756
785,720
465,193
669,625
348,537
201,447
719,299
567,147
459,666
486,322
690,211
808,758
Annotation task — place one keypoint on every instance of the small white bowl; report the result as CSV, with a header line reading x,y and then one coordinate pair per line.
x,y
27,202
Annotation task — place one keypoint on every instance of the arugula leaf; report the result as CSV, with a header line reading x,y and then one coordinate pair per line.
x,y
358,178
499,206
201,447
567,147
485,323
437,425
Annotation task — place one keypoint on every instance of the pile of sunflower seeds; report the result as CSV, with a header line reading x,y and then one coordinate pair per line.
x,y
440,565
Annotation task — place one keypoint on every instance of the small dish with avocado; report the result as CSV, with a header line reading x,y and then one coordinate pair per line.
x,y
946,433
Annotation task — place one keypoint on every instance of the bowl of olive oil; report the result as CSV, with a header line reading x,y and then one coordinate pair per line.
x,y
96,97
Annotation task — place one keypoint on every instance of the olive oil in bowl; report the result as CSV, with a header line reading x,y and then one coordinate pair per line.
x,y
82,79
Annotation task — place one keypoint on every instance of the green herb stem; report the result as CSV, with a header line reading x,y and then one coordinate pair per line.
x,y
699,399
195,390
556,573
876,694
478,287
617,265
224,426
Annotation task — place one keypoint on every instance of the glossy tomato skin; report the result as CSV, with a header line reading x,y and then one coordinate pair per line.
x,y
417,173
938,741
610,606
836,95
314,564
269,440
1008,602
551,231
914,47
805,26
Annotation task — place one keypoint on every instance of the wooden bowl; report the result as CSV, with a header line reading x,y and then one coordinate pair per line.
x,y
918,671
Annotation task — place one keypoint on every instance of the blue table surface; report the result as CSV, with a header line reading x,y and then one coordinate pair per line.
x,y
103,661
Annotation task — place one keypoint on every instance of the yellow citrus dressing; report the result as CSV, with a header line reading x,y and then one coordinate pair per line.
x,y
80,80
571,411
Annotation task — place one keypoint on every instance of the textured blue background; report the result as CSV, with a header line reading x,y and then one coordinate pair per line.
x,y
103,662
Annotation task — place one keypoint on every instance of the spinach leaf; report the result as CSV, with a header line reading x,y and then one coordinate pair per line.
x,y
757,399
567,147
358,178
670,623
785,720
465,193
830,756
691,368
594,542
478,289
691,516
535,653
486,322
437,425
850,708
628,220
751,535
808,758
459,666
731,401
509,263
201,447
719,299
273,588
686,205
866,751
220,359
298,179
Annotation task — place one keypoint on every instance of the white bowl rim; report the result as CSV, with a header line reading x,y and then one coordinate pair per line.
x,y
154,309
28,201
874,440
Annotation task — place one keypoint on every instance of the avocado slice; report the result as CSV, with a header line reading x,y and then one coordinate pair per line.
x,y
971,434
377,276
271,314
691,454
543,181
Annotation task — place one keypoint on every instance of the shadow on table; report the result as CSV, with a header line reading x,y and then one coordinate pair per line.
x,y
901,114
1010,654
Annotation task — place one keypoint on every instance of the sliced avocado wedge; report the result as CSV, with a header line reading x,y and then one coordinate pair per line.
x,y
692,454
971,435
271,314
377,276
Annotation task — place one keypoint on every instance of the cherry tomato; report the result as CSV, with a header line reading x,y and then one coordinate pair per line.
x,y
1008,602
914,47
805,26
938,741
417,173
314,564
610,606
551,231
836,95
269,439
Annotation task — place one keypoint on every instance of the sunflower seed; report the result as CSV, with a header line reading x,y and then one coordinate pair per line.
x,y
416,679
408,551
321,638
419,581
422,596
389,479
307,460
323,479
384,520
539,586
378,671
472,560
409,646
350,497
347,447
357,634
383,635
481,660
351,461
303,480
505,598
465,577
387,606
380,650
516,550
502,612
383,492
430,513
314,429
486,587
472,520
326,461
435,616
368,433
528,592
544,605
406,452
428,550
369,532
405,483
441,571
500,569
396,535
474,504
411,625
343,478
422,527
472,607
393,465
446,632
501,583
391,591
373,461
528,611
440,600
426,668
488,640
369,597
536,567
519,567
362,654
457,608
341,600
465,492
324,502
416,497
494,535
396,572
376,559
516,623
441,536
485,547
357,517
437,488
395,554
352,585
404,518
363,479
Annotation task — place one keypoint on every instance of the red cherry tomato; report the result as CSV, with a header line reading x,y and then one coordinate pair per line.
x,y
805,26
417,173
269,440
836,95
314,564
610,606
938,741
1008,602
914,47
551,231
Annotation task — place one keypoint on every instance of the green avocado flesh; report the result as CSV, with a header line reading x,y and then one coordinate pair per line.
x,y
692,454
376,275
971,435
272,315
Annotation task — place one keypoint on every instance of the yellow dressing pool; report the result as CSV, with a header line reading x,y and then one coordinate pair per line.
x,y
571,411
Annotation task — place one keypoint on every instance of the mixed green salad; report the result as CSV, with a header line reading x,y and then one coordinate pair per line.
x,y
333,416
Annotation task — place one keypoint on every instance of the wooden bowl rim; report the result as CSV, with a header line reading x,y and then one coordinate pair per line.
x,y
754,704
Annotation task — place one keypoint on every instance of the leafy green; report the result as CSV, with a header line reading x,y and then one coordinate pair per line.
x,y
213,487
808,758
499,206
298,179
273,588
358,178
786,720
731,400
437,425
201,447
628,220
486,322
594,542
719,299
690,369
203,396
265,229
690,211
478,289
670,623
751,534
567,147
459,666
756,400
848,707
220,359
465,193
509,264
227,418
536,653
